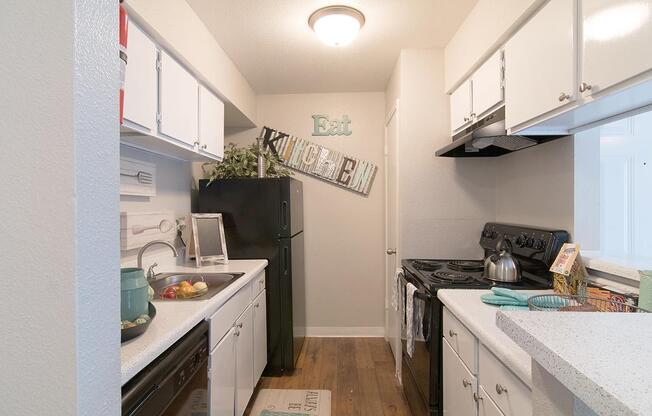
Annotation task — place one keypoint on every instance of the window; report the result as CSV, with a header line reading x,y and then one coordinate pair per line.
x,y
613,192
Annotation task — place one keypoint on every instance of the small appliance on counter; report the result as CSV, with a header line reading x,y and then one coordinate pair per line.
x,y
136,310
531,253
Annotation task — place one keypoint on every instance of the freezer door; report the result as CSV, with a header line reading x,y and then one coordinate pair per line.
x,y
291,207
292,299
299,293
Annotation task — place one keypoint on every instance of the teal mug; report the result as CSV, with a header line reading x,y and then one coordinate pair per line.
x,y
134,297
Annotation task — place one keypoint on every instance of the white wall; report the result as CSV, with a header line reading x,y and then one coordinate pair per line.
x,y
443,202
181,30
344,231
60,344
488,26
534,186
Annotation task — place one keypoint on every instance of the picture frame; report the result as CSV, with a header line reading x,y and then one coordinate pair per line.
x,y
207,242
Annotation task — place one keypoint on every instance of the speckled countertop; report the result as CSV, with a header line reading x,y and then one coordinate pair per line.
x,y
480,319
175,318
602,358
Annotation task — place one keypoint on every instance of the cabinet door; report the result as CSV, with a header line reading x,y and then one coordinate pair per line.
x,y
244,358
178,101
488,85
222,376
260,335
459,385
211,123
486,406
539,64
140,81
461,106
616,37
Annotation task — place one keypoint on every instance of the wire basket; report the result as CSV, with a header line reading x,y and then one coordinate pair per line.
x,y
572,303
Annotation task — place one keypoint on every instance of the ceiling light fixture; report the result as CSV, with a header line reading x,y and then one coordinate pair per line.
x,y
336,25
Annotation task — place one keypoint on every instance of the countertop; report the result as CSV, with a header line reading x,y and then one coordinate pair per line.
x,y
602,358
175,318
480,319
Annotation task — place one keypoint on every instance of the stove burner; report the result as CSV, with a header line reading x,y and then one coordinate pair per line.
x,y
427,265
453,277
466,265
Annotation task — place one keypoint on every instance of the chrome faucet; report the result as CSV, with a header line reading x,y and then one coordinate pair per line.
x,y
150,272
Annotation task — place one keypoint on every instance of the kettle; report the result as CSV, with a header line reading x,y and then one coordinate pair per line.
x,y
502,266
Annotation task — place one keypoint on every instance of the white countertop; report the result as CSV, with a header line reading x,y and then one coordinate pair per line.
x,y
480,319
602,358
175,318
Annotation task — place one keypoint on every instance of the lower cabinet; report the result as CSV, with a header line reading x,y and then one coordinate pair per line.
x,y
239,350
459,385
486,406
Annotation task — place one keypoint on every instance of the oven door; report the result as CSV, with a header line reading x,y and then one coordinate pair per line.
x,y
417,376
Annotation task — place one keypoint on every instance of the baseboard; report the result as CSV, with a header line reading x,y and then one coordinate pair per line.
x,y
345,331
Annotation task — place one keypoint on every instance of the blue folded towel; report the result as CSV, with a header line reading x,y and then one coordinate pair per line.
x,y
501,291
514,308
502,296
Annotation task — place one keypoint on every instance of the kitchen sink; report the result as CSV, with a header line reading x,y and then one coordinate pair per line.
x,y
216,282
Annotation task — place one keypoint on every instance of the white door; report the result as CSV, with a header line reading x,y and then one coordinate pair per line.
x,y
260,335
244,360
392,329
488,85
459,385
222,376
211,123
461,110
540,64
178,101
140,82
616,36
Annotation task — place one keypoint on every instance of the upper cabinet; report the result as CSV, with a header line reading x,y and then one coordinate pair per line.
x,y
488,85
540,64
140,82
616,37
178,102
461,106
211,123
479,94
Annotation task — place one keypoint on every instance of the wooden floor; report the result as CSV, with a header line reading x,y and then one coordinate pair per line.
x,y
358,371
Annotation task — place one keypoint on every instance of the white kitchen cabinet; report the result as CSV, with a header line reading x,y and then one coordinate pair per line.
x,y
222,376
460,102
540,64
616,36
140,82
509,393
244,363
211,123
260,334
487,83
459,385
486,406
178,102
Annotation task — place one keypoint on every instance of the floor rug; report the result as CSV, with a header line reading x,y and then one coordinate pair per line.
x,y
273,402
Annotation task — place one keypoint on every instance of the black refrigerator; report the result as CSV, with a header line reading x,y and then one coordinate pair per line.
x,y
263,219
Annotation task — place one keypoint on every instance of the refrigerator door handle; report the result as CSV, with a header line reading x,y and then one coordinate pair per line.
x,y
284,215
286,251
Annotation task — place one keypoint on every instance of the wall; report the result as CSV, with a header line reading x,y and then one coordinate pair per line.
x,y
60,344
443,202
344,231
180,29
535,186
488,26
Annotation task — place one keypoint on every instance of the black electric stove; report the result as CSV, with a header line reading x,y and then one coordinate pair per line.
x,y
535,249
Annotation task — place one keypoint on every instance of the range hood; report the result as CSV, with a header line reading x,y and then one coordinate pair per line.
x,y
488,138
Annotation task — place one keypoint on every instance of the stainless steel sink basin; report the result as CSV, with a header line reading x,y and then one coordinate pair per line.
x,y
216,282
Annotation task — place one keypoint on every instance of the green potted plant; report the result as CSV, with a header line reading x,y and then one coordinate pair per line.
x,y
242,162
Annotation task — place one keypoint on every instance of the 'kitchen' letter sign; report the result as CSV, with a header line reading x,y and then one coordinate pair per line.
x,y
315,160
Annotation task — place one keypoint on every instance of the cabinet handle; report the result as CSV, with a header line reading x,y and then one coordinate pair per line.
x,y
563,96
584,87
466,383
239,325
477,397
466,119
196,143
204,146
256,305
472,116
236,334
500,389
452,333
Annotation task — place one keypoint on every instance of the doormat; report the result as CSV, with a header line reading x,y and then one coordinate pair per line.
x,y
273,402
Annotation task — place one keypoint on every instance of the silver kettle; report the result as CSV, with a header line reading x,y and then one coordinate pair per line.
x,y
502,266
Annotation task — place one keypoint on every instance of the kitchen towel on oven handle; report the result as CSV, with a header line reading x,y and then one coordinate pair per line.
x,y
409,314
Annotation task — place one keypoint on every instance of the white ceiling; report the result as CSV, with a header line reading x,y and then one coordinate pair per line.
x,y
275,49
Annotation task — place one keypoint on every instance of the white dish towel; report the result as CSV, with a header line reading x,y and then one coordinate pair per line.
x,y
409,314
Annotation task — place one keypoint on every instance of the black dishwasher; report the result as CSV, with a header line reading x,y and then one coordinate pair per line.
x,y
174,384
